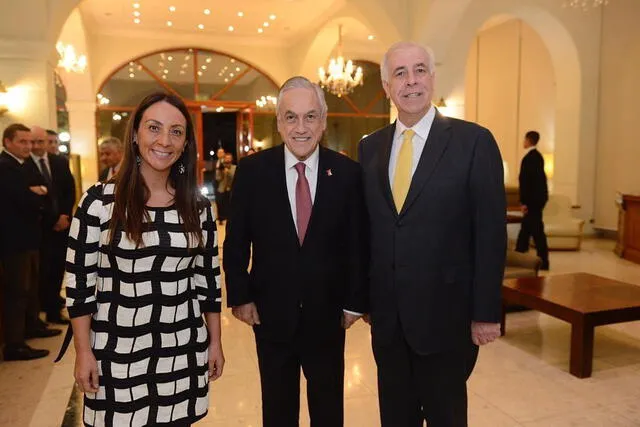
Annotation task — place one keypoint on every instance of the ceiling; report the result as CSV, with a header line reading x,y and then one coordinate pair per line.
x,y
275,20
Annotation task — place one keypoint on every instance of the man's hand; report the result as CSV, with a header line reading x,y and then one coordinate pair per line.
x,y
248,313
62,224
349,319
483,333
40,190
524,209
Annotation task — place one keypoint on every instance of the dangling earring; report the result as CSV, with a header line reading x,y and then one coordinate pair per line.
x,y
138,160
181,168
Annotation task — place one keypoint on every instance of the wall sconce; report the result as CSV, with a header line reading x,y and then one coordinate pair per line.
x,y
4,101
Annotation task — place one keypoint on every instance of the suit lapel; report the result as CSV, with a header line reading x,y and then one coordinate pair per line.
x,y
384,156
434,148
323,191
281,196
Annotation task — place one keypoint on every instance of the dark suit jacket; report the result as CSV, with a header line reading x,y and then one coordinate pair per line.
x,y
61,195
438,264
533,181
21,211
287,282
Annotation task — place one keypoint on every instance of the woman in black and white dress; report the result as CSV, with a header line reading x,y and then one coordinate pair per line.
x,y
142,270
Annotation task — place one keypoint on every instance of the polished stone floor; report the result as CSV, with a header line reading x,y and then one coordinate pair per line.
x,y
520,380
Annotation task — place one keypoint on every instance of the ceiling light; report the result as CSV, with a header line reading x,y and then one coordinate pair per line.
x,y
265,24
169,23
185,65
161,64
260,30
272,17
208,60
341,76
136,5
172,8
201,26
231,74
187,57
136,13
170,58
165,71
237,68
131,69
207,12
226,80
233,60
181,71
371,37
132,75
219,109
240,14
164,77
230,27
219,74
204,67
199,73
131,63
136,21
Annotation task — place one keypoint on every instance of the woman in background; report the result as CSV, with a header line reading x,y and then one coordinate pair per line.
x,y
142,270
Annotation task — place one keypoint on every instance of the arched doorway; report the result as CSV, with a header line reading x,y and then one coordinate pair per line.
x,y
219,90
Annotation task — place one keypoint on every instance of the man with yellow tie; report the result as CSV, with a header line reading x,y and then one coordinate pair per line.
x,y
435,195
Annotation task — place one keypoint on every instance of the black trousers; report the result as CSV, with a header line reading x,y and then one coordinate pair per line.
x,y
52,258
322,361
413,388
222,203
532,226
21,307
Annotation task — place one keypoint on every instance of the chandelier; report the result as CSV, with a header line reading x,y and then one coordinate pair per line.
x,y
584,4
69,60
268,101
339,78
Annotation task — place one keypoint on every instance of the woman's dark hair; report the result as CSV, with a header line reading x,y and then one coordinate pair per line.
x,y
132,193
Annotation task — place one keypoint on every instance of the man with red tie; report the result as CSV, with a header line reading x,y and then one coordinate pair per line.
x,y
300,208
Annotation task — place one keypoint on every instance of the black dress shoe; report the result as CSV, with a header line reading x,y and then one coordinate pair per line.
x,y
57,319
544,266
24,352
42,333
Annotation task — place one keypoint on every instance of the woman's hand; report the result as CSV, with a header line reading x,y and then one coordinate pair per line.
x,y
86,372
216,361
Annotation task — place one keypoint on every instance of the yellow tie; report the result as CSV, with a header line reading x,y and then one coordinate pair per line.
x,y
402,176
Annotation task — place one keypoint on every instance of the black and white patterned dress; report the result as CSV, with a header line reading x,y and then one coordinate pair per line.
x,y
147,330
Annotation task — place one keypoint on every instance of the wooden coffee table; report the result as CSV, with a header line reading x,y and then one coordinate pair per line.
x,y
582,299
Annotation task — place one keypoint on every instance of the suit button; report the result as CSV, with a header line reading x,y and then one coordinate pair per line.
x,y
300,305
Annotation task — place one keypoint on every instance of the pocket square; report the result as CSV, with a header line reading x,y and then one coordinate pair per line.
x,y
329,172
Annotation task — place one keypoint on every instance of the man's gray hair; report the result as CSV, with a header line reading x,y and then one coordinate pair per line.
x,y
299,82
114,142
431,65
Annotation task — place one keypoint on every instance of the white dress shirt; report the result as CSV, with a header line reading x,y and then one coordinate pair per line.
x,y
36,159
310,171
421,129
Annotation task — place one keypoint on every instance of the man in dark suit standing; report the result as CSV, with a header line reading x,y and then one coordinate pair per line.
x,y
435,194
111,152
54,173
533,196
20,216
300,207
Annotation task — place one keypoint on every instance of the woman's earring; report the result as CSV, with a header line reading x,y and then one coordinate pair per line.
x,y
181,168
138,160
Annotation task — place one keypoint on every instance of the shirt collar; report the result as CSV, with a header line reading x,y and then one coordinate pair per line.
x,y
422,127
19,160
533,147
290,161
37,158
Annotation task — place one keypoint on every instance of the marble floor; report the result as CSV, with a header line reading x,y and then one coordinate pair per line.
x,y
520,380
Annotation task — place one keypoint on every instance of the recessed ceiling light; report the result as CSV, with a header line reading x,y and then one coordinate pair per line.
x,y
240,14
237,68
260,30
265,24
230,28
165,71
204,67
187,57
226,80
131,69
220,74
207,12
208,60
164,77
132,75
231,74
139,67
169,23
136,5
371,37
185,65
181,71
272,17
160,64
170,58
201,26
136,13
136,21
232,61
199,73
131,63
172,8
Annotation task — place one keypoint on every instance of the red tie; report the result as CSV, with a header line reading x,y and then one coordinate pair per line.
x,y
303,202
